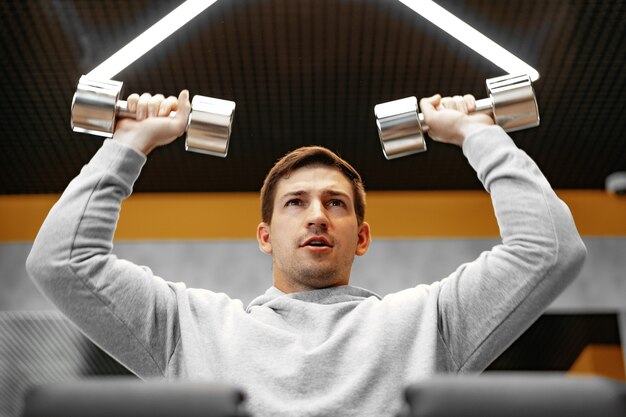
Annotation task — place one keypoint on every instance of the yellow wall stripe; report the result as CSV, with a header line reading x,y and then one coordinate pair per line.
x,y
393,214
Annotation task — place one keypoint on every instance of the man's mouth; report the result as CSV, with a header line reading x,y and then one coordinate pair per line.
x,y
317,241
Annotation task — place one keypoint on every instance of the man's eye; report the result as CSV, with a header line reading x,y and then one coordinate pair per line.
x,y
336,203
294,202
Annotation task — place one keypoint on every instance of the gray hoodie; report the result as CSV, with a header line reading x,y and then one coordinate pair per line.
x,y
340,351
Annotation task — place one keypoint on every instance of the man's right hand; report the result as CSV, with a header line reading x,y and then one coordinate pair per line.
x,y
153,125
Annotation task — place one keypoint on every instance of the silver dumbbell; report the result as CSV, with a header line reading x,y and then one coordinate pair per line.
x,y
96,105
511,102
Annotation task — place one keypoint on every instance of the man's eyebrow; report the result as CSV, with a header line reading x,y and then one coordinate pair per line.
x,y
331,192
337,193
296,193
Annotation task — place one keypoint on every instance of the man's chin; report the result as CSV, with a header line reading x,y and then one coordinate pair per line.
x,y
318,277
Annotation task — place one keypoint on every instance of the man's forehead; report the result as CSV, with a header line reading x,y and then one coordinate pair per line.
x,y
315,178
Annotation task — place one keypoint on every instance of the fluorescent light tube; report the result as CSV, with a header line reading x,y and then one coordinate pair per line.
x,y
475,40
426,8
149,39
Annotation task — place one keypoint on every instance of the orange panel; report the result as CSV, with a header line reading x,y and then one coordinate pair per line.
x,y
600,360
401,215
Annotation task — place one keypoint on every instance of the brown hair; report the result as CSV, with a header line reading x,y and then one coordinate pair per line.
x,y
307,156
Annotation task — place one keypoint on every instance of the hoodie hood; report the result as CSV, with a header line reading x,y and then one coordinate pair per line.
x,y
331,295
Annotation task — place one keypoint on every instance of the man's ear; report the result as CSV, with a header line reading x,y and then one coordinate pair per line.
x,y
263,237
365,238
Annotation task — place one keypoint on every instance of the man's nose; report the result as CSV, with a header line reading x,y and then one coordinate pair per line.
x,y
317,215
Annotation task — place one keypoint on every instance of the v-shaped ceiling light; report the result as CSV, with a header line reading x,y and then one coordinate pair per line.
x,y
149,39
426,8
475,40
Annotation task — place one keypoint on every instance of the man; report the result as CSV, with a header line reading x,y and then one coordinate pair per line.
x,y
311,345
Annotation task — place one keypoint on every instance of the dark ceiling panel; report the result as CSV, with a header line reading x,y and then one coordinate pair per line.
x,y
310,72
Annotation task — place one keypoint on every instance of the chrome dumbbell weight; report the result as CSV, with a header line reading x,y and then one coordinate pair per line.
x,y
511,102
96,105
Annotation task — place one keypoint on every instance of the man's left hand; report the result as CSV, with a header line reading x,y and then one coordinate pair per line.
x,y
452,119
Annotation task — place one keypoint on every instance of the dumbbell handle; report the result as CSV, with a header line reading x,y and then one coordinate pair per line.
x,y
121,109
484,105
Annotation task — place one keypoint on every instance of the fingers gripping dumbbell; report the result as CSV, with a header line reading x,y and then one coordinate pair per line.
x,y
511,102
96,106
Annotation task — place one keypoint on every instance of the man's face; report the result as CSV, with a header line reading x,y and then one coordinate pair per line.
x,y
314,233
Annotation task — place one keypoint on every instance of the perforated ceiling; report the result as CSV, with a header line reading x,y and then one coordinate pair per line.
x,y
310,72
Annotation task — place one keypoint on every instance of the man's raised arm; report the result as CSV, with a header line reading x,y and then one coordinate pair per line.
x,y
122,307
486,304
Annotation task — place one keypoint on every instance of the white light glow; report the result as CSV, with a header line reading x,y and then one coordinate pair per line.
x,y
431,11
475,40
149,39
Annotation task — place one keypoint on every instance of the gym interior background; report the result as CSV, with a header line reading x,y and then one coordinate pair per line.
x,y
308,72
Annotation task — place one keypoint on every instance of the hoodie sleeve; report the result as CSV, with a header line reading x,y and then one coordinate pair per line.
x,y
122,307
486,304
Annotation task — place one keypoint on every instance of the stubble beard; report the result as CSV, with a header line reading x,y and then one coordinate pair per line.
x,y
312,274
